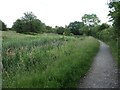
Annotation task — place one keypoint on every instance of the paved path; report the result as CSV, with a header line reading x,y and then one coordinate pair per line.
x,y
103,73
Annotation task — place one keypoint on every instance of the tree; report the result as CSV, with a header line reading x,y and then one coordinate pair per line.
x,y
29,17
103,26
66,31
0,25
114,13
3,26
37,26
60,30
86,30
90,19
95,30
49,29
18,26
28,23
75,27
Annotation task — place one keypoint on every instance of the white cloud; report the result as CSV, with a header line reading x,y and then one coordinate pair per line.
x,y
52,12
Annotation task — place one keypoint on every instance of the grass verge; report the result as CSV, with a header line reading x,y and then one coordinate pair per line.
x,y
59,63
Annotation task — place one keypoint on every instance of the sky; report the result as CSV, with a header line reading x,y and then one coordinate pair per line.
x,y
53,12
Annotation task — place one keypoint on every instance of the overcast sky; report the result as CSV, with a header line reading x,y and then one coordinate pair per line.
x,y
53,12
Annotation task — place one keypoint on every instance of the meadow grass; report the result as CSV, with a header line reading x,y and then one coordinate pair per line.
x,y
46,60
115,50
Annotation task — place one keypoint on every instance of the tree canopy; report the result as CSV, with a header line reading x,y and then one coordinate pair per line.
x,y
114,13
75,27
90,19
3,26
28,23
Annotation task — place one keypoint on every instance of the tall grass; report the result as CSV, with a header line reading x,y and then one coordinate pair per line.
x,y
114,48
47,61
0,59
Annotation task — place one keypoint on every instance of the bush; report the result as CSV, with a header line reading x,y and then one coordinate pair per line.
x,y
28,23
3,26
60,30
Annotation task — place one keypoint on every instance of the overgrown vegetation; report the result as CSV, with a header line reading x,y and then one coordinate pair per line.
x,y
3,26
38,59
108,36
28,23
46,60
115,17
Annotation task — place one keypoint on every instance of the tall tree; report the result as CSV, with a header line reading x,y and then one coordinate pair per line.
x,y
28,23
48,29
114,13
75,27
3,26
29,16
67,30
18,26
60,30
90,19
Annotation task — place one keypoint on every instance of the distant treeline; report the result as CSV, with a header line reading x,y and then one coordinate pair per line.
x,y
30,24
90,25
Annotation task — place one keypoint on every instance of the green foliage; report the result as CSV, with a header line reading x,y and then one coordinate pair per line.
x,y
3,27
118,53
85,30
91,22
103,26
49,29
45,60
18,26
60,30
94,30
28,23
75,27
115,16
66,31
90,19
106,34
